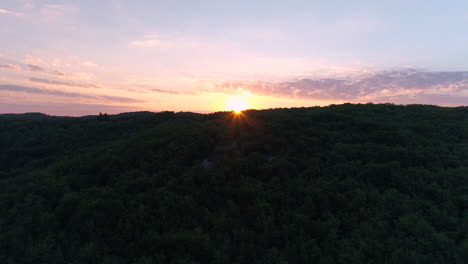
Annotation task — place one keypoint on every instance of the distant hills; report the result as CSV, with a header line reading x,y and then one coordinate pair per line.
x,y
367,183
26,116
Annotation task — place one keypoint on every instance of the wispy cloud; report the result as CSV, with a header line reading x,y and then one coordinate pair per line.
x,y
12,13
149,40
89,64
28,59
10,67
33,90
55,12
27,4
386,86
46,66
36,68
165,91
63,83
157,89
145,91
138,91
146,43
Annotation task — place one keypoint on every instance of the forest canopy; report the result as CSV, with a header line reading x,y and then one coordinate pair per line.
x,y
352,183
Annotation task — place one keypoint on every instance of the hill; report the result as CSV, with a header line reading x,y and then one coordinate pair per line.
x,y
338,184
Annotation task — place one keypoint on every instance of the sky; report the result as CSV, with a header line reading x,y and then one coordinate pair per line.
x,y
83,57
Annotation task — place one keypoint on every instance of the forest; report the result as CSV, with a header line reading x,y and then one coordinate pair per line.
x,y
350,183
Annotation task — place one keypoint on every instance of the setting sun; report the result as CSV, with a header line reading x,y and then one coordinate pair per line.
x,y
237,104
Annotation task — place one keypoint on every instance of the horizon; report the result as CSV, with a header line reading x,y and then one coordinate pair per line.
x,y
78,58
228,111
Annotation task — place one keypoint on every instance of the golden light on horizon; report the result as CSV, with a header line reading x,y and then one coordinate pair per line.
x,y
237,104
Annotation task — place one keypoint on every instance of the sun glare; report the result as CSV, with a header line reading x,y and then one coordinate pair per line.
x,y
237,104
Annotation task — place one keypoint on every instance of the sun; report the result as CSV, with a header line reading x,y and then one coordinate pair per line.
x,y
237,104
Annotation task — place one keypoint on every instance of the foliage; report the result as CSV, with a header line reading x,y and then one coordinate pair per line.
x,y
339,184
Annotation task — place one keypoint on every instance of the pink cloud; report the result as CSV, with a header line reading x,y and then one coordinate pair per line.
x,y
149,41
89,64
146,43
63,83
55,12
36,68
71,95
28,59
10,67
27,4
8,12
379,86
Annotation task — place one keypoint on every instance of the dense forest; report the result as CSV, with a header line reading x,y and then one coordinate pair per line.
x,y
352,183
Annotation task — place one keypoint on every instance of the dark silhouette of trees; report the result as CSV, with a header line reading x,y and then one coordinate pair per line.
x,y
374,183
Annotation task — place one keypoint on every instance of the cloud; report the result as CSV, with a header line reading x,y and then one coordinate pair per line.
x,y
385,86
165,91
56,12
27,4
149,41
138,91
146,43
39,65
154,88
36,68
28,59
63,83
10,67
89,64
33,90
8,12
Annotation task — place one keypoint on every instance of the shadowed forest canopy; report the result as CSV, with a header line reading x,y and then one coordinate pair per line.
x,y
339,184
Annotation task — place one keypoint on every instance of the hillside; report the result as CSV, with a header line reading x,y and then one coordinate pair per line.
x,y
374,183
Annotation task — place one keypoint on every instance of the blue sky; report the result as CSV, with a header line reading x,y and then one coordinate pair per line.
x,y
163,54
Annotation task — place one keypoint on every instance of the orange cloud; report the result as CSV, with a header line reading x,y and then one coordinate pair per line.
x,y
89,64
